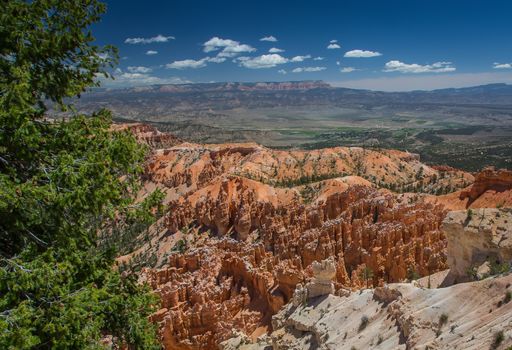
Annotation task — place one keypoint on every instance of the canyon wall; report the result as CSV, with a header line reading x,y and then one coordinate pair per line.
x,y
245,225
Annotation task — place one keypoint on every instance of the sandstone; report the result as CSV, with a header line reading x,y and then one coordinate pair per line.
x,y
245,225
322,282
476,237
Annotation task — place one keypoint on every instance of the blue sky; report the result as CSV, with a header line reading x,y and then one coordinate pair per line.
x,y
383,45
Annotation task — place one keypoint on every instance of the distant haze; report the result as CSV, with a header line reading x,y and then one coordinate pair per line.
x,y
429,82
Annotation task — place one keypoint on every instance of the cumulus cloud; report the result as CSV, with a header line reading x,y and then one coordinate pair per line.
x,y
194,64
151,52
437,67
333,41
124,79
300,58
275,50
263,61
318,58
281,71
216,59
333,46
308,69
348,69
502,65
228,47
156,39
139,69
186,64
269,38
362,53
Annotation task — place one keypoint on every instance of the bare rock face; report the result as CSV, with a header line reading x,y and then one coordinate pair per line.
x,y
149,135
476,238
226,283
323,275
386,295
492,189
402,316
268,218
489,179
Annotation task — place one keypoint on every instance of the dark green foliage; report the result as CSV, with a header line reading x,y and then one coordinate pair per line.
x,y
180,246
499,337
366,274
412,274
508,297
498,268
364,322
443,319
61,188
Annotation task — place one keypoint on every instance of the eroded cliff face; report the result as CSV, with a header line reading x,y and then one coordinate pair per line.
x,y
492,188
478,240
240,282
245,224
475,314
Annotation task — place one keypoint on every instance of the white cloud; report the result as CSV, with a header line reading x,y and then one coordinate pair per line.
x,y
502,65
263,61
281,71
151,52
348,69
338,63
427,81
193,64
230,48
189,63
139,69
275,50
308,69
156,39
318,58
437,67
125,79
362,53
269,38
216,59
333,41
333,46
300,58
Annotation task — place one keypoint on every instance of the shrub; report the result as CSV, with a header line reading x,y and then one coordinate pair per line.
x,y
443,319
364,322
498,339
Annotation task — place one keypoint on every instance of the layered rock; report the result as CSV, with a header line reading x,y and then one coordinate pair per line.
x,y
149,135
246,224
492,189
471,315
224,284
475,315
478,237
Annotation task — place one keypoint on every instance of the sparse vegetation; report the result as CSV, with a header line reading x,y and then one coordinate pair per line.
x,y
443,319
508,297
412,274
364,323
499,337
366,274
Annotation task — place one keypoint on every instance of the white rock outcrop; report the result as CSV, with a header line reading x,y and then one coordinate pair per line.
x,y
477,238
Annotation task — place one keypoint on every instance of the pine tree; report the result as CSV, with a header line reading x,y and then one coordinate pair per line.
x,y
60,188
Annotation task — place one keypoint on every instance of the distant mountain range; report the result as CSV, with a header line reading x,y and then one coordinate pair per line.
x,y
220,96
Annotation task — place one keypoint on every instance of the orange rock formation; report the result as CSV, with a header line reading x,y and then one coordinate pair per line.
x,y
492,188
247,222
